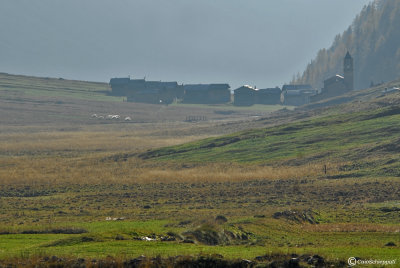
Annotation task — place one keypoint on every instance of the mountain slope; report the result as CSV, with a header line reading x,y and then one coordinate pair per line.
x,y
363,142
374,42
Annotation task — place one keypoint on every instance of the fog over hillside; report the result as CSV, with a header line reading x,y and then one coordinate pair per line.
x,y
254,42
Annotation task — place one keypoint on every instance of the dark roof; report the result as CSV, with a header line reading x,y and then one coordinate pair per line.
x,y
348,56
275,90
170,84
333,79
159,84
137,82
296,87
119,81
201,87
220,85
244,88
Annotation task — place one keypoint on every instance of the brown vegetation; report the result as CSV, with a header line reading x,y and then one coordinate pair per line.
x,y
69,176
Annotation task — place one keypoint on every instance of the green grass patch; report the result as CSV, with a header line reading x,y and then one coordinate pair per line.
x,y
353,137
232,108
269,237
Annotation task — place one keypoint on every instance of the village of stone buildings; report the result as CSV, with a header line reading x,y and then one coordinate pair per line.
x,y
157,92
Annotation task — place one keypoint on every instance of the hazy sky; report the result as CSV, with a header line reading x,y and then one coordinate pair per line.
x,y
256,42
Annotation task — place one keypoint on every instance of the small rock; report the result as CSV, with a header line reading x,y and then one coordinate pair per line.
x,y
146,238
246,262
294,263
119,237
221,219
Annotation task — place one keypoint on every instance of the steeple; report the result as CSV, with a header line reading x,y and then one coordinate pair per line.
x,y
348,71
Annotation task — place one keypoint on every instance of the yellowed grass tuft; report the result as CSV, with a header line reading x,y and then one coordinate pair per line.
x,y
353,227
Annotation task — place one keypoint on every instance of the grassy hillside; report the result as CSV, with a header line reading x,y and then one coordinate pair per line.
x,y
365,136
17,85
366,99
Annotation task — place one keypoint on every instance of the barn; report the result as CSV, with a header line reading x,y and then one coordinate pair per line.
x,y
151,96
119,86
140,90
338,85
125,86
206,93
268,96
244,96
297,95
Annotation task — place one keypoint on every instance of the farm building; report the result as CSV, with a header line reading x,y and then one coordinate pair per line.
x,y
122,86
269,96
338,85
156,93
296,87
140,90
151,96
297,95
168,87
206,93
244,96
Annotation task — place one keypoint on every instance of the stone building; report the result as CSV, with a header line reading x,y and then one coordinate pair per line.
x,y
140,90
244,96
297,95
206,93
269,96
338,85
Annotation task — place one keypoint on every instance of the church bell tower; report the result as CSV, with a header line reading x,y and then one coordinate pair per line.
x,y
348,70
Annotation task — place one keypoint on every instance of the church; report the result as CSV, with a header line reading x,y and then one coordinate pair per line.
x,y
338,85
